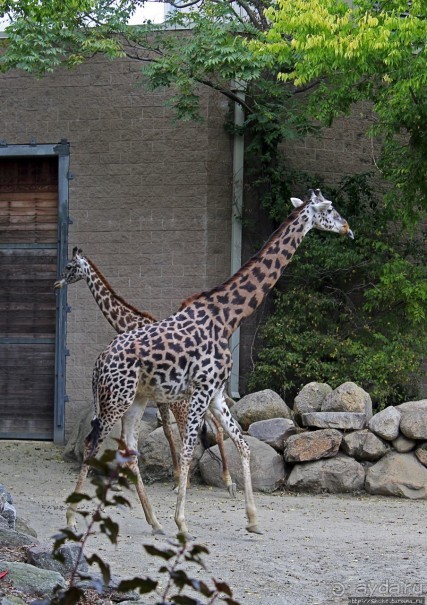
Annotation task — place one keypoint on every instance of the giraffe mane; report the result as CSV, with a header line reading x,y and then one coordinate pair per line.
x,y
247,265
117,296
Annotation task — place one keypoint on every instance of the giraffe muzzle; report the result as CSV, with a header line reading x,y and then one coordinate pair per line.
x,y
60,283
347,231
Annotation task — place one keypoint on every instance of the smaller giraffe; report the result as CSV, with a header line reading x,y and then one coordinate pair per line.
x,y
124,317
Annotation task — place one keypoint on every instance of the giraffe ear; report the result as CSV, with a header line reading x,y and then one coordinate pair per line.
x,y
74,251
296,202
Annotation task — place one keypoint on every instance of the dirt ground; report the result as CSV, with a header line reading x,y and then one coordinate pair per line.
x,y
314,550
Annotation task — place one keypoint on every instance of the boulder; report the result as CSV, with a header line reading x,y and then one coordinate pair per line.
x,y
348,397
421,454
397,475
8,512
413,423
410,406
364,445
75,444
402,444
262,405
155,460
267,467
9,537
5,495
310,398
334,420
336,475
23,527
41,556
312,445
385,424
32,580
273,431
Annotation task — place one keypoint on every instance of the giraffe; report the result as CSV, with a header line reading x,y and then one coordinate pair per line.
x,y
124,317
187,354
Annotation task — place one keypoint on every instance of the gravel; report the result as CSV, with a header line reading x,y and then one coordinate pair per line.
x,y
314,550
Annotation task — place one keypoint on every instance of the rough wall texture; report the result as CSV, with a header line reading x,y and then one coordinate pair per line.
x,y
151,198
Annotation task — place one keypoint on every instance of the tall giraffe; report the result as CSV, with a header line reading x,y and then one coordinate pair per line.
x,y
187,354
124,317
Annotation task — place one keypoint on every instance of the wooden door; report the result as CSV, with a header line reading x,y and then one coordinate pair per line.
x,y
28,266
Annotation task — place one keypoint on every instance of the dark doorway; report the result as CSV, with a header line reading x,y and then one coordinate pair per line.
x,y
29,235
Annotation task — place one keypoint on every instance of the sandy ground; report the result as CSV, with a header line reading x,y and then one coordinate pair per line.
x,y
314,550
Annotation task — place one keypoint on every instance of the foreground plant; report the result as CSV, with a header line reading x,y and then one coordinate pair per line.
x,y
111,473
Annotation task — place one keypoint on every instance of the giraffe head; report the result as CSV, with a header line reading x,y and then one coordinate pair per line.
x,y
73,271
322,215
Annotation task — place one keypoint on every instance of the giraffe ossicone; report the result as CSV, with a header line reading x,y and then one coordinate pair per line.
x,y
187,354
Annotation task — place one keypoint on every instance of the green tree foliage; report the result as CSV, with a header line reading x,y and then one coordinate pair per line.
x,y
350,310
373,51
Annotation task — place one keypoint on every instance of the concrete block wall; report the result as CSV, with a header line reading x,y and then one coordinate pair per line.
x,y
150,201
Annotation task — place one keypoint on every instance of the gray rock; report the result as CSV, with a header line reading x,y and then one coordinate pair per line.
x,y
413,423
23,527
385,424
410,406
364,445
41,556
402,444
310,398
398,475
29,579
348,397
273,431
334,420
312,445
262,405
267,467
155,461
75,444
421,454
336,475
11,600
9,537
8,512
5,495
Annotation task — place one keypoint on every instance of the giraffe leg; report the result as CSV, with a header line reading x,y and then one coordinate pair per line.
x,y
220,442
109,409
220,410
167,429
92,444
179,410
197,408
129,435
71,510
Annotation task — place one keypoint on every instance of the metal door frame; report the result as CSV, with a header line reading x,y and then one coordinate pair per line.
x,y
62,152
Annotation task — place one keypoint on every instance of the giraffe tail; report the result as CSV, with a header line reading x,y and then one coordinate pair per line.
x,y
93,438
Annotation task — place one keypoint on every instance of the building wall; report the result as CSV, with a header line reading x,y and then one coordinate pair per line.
x,y
150,200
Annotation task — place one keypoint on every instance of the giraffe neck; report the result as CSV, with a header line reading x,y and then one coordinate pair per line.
x,y
120,314
243,292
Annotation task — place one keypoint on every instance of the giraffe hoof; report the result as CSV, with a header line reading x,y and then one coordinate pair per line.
x,y
254,529
232,490
158,531
185,535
